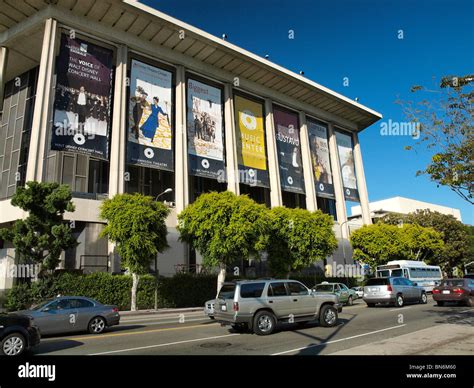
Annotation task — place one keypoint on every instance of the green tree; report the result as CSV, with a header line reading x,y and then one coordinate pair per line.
x,y
42,235
136,224
455,236
298,238
376,244
446,130
223,228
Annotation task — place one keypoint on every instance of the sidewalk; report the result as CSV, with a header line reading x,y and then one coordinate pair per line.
x,y
445,339
129,313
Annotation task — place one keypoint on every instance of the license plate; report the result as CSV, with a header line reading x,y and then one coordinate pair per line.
x,y
374,290
224,307
446,292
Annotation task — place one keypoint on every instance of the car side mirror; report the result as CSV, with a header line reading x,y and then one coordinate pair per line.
x,y
45,310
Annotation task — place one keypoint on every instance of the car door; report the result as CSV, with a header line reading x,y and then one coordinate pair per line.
x,y
337,290
279,299
85,312
303,302
413,292
345,293
55,317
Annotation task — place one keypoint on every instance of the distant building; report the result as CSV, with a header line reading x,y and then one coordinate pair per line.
x,y
400,205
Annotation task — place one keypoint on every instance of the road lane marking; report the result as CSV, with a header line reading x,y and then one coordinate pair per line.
x,y
467,311
95,336
161,345
401,308
167,321
338,340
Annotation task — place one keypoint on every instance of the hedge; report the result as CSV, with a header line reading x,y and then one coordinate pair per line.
x,y
181,290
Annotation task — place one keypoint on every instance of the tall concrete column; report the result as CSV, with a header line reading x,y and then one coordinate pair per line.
x,y
361,183
230,142
181,152
118,140
119,127
272,155
3,74
337,178
310,188
41,112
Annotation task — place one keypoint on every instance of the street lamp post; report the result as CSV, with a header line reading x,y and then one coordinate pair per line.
x,y
168,190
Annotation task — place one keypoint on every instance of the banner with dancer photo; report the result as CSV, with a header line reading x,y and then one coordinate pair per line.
x,y
150,132
83,98
289,151
345,150
251,152
205,130
320,160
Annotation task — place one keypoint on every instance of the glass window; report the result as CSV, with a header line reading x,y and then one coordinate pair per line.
x,y
81,303
378,282
68,171
325,288
227,291
277,289
397,272
343,287
297,289
251,290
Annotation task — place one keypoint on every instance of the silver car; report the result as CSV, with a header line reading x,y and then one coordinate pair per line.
x,y
396,291
68,314
209,308
259,305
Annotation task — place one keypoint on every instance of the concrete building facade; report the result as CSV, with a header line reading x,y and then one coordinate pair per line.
x,y
34,36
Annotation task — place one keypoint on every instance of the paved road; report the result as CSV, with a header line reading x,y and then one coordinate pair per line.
x,y
198,335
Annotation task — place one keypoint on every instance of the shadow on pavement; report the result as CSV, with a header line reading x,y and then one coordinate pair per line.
x,y
54,346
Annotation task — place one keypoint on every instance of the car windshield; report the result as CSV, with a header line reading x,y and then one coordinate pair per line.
x,y
377,282
227,291
324,288
39,306
453,283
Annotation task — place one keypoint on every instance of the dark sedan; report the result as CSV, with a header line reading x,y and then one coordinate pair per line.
x,y
68,314
17,334
455,290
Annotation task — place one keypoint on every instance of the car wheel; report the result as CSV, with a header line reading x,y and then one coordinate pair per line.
x,y
424,298
399,302
97,325
328,316
264,323
370,304
470,302
13,345
211,317
350,302
440,303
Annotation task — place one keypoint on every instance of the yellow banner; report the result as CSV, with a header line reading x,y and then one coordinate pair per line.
x,y
251,142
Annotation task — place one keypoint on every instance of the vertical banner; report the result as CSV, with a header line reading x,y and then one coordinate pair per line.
x,y
251,152
150,132
289,151
320,160
83,98
205,130
346,159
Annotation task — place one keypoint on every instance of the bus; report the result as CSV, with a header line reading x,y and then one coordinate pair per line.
x,y
424,275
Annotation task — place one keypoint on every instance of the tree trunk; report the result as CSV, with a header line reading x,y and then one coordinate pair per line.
x,y
220,277
136,279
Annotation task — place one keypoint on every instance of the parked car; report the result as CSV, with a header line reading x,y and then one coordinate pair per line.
x,y
455,290
393,290
259,305
209,308
345,294
17,334
68,314
359,291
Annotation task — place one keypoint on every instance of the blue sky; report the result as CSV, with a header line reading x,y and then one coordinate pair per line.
x,y
358,40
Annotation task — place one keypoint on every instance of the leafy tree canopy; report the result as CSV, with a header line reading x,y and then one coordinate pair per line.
x,y
42,235
298,238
